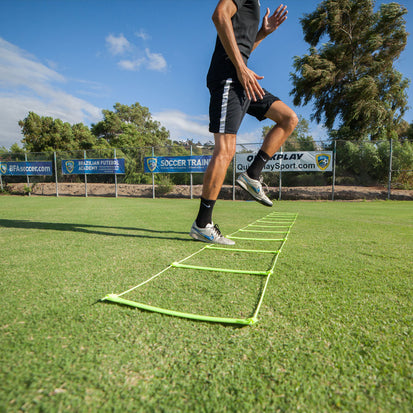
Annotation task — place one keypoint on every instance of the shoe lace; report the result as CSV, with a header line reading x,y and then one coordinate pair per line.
x,y
261,179
217,231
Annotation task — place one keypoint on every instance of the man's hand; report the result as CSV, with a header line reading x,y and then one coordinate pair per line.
x,y
270,24
249,81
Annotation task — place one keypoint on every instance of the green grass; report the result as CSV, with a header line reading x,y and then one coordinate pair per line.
x,y
334,331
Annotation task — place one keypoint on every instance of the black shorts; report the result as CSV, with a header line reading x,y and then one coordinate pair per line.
x,y
229,104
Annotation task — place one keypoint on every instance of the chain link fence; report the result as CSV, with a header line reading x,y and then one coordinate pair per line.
x,y
381,168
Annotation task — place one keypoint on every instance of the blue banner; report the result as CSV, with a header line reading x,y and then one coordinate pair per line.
x,y
15,168
176,164
93,166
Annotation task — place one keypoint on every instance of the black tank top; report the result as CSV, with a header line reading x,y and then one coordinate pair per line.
x,y
245,23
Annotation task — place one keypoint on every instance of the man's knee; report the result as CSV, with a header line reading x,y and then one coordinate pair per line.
x,y
231,151
225,155
283,116
292,121
225,147
288,121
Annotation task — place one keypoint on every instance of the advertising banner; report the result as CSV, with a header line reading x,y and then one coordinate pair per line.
x,y
25,168
93,166
175,164
290,162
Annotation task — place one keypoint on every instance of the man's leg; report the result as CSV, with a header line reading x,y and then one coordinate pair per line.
x,y
224,151
202,229
286,120
227,107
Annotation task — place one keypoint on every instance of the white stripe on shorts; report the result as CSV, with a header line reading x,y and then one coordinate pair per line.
x,y
224,106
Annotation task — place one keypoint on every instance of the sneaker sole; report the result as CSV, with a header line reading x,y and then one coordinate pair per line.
x,y
197,237
245,188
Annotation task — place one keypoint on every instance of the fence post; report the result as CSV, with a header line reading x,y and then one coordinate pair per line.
x,y
279,190
334,170
234,164
55,173
1,181
390,169
116,176
153,178
84,157
190,176
27,176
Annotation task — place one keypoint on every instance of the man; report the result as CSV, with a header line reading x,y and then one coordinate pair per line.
x,y
235,90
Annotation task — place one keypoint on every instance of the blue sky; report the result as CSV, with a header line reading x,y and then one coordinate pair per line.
x,y
70,59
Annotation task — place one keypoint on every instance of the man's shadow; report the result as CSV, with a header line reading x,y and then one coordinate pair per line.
x,y
95,229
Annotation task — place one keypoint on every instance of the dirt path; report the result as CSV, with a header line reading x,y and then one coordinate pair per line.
x,y
183,191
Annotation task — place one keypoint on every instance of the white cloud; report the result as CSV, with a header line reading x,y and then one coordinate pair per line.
x,y
132,65
28,85
182,126
135,59
155,61
16,66
143,35
117,45
151,61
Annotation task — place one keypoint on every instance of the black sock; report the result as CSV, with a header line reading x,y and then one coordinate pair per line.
x,y
205,213
257,165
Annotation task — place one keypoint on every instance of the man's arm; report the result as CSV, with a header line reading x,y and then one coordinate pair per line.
x,y
270,24
222,20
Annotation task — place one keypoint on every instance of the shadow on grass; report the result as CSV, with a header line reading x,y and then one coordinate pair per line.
x,y
96,229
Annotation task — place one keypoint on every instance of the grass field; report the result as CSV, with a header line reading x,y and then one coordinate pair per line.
x,y
334,330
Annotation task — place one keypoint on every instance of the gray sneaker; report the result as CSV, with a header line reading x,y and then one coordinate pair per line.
x,y
210,233
254,188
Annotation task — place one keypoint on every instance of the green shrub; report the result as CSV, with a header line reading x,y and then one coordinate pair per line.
x,y
164,184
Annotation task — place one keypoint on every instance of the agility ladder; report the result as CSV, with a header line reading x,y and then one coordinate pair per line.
x,y
274,223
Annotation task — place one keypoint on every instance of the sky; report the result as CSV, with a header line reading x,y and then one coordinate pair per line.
x,y
70,59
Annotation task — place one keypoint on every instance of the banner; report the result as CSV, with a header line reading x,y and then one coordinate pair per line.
x,y
290,162
15,168
175,164
93,166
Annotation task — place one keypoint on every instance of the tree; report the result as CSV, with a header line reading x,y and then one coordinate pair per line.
x,y
406,131
130,126
350,77
15,148
45,134
130,129
84,139
410,132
